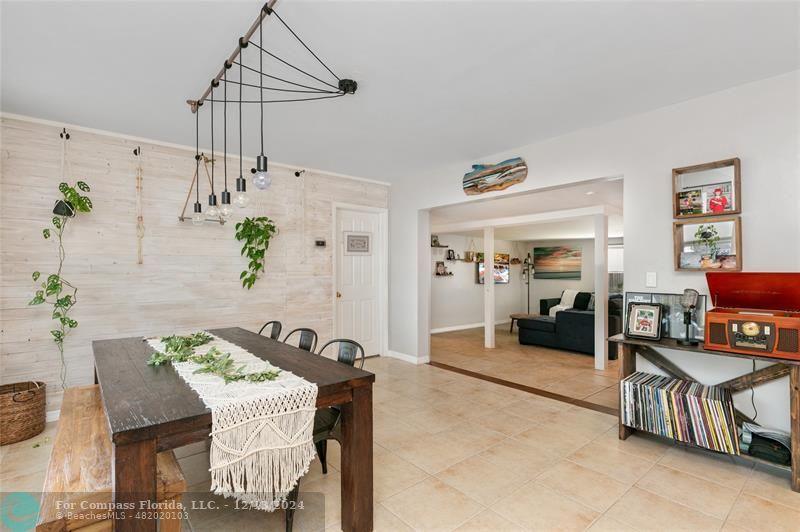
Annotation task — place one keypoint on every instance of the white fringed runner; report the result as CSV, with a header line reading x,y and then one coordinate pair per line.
x,y
261,433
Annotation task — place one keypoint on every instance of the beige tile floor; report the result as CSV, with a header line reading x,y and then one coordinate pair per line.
x,y
562,372
456,453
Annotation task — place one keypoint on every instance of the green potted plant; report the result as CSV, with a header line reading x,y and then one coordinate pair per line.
x,y
709,237
256,234
54,289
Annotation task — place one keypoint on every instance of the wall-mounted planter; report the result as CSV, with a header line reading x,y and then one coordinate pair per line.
x,y
63,208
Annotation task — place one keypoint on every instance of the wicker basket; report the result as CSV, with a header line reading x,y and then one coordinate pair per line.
x,y
22,411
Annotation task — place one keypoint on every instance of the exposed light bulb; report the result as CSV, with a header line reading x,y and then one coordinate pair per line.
x,y
241,200
197,215
212,212
262,180
225,211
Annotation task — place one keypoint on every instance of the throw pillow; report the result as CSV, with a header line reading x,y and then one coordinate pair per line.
x,y
590,305
568,298
582,300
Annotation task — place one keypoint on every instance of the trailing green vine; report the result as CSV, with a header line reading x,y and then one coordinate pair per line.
x,y
56,290
213,362
256,234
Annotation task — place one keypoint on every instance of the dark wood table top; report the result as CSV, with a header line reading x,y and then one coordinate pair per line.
x,y
146,402
672,343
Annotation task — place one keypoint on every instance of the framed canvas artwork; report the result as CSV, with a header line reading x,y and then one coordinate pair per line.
x,y
557,262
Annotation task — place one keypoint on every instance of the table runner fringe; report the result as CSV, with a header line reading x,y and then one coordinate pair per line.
x,y
262,433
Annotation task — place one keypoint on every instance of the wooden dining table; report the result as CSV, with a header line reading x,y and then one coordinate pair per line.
x,y
151,409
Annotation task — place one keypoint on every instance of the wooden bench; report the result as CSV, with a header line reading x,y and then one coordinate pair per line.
x,y
79,473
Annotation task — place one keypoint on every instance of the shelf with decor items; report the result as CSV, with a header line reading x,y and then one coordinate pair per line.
x,y
630,347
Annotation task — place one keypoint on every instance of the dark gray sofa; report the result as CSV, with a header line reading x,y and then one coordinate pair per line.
x,y
572,330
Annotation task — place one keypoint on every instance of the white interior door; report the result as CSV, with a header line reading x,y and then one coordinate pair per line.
x,y
358,278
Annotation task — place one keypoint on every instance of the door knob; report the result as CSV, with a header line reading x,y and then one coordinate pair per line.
x,y
338,294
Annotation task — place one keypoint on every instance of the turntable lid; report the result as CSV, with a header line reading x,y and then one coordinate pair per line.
x,y
754,290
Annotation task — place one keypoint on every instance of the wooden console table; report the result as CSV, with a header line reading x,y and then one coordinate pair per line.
x,y
780,368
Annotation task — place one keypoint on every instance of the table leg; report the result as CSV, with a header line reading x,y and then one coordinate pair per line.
x,y
134,481
357,461
627,365
794,400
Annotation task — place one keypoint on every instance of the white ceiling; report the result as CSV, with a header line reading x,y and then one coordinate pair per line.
x,y
439,82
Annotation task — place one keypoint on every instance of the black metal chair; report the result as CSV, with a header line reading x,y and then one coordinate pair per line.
x,y
350,352
308,339
275,331
327,421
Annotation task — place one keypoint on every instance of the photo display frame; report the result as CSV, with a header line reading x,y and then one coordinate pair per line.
x,y
644,321
708,244
672,325
502,268
709,189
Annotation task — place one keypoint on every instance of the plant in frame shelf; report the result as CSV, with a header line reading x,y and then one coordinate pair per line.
x,y
256,234
55,290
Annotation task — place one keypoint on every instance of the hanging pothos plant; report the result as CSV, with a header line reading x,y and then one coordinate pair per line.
x,y
55,290
256,234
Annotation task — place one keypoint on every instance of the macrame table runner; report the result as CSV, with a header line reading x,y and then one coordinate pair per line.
x,y
261,433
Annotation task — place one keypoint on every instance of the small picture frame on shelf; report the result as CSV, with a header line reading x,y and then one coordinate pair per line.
x,y
435,241
451,254
709,189
441,269
644,321
708,244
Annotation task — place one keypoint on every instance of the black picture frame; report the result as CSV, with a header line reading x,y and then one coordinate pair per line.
x,y
636,317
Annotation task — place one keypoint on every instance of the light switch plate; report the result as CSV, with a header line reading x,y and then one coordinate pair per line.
x,y
651,280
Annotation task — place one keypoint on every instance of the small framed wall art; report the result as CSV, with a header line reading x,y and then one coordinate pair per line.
x,y
713,243
357,243
644,321
710,189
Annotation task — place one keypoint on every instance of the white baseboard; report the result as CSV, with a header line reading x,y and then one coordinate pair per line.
x,y
464,327
52,415
411,359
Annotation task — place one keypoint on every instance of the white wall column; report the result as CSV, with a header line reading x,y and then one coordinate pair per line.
x,y
424,261
600,291
488,287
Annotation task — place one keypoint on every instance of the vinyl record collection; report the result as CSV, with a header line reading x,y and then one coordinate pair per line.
x,y
683,410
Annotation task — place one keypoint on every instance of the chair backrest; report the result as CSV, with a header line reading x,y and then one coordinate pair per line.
x,y
349,352
308,339
274,331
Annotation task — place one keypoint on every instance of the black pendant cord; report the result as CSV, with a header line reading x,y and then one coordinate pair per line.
x,y
327,96
276,78
321,62
241,175
312,91
312,76
261,71
211,198
225,139
197,157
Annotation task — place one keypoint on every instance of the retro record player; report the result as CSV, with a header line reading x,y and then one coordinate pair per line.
x,y
754,314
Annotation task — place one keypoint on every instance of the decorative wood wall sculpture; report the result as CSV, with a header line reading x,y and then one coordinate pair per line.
x,y
493,177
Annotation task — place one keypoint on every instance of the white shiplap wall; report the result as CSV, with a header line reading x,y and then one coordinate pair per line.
x,y
190,275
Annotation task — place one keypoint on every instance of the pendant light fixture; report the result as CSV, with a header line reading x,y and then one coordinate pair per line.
x,y
212,212
241,200
225,211
261,179
197,215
